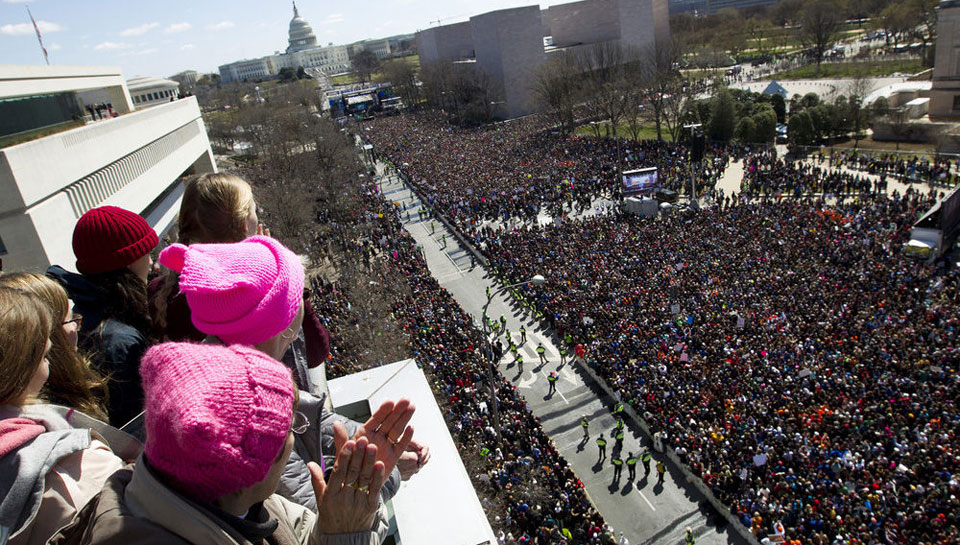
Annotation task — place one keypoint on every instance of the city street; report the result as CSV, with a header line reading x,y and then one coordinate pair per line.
x,y
646,512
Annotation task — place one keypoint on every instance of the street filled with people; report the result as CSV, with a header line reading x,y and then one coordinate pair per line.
x,y
796,361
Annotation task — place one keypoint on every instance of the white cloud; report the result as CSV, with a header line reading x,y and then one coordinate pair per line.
x,y
333,18
23,29
139,30
111,46
186,47
54,47
221,25
177,27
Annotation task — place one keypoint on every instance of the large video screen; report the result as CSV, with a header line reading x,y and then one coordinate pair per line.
x,y
643,180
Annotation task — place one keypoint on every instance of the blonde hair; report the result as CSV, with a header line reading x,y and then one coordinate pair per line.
x,y
72,382
25,326
215,208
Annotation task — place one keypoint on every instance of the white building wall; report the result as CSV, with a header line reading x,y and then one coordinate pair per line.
x,y
129,161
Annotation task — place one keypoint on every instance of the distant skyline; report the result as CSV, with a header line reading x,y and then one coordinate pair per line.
x,y
163,38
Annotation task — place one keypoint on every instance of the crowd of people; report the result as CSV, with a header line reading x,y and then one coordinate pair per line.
x,y
788,352
528,489
907,168
511,170
766,175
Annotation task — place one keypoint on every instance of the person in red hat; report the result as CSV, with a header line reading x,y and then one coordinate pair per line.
x,y
113,246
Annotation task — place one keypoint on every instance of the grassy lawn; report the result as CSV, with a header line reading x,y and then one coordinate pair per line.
x,y
647,132
349,79
905,147
851,69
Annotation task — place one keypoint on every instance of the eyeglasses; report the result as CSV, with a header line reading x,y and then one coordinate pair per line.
x,y
77,319
299,424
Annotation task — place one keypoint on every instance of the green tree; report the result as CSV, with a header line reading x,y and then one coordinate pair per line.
x,y
800,131
746,130
765,123
723,116
779,107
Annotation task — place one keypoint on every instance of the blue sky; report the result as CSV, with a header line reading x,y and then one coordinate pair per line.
x,y
161,38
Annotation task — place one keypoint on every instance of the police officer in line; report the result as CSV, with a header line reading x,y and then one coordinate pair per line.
x,y
661,469
645,458
519,361
523,335
619,439
563,354
688,537
619,424
617,466
602,445
503,322
585,425
632,465
542,352
618,410
552,379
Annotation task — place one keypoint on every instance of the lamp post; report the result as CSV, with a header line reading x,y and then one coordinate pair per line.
x,y
536,280
694,204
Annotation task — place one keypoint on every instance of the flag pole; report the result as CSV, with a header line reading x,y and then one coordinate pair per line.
x,y
39,38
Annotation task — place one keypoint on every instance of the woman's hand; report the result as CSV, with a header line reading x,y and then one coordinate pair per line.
x,y
349,502
387,430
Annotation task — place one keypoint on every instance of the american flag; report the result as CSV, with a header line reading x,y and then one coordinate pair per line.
x,y
39,38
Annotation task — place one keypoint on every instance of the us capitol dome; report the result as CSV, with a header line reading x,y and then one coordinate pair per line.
x,y
301,35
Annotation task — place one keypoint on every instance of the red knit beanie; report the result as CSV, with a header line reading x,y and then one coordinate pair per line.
x,y
110,238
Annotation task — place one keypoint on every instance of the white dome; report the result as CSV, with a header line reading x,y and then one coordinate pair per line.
x,y
301,35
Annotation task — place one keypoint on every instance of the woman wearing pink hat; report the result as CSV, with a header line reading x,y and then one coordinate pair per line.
x,y
251,293
220,425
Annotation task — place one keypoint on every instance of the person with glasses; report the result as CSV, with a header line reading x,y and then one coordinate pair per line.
x,y
73,381
251,293
221,423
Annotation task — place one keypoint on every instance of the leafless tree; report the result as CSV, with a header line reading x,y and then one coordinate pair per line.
x,y
821,22
857,89
607,68
664,92
403,76
557,90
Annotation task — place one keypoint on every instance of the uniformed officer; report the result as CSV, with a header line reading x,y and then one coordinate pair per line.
x,y
619,424
632,465
585,425
661,469
617,466
503,322
552,379
523,334
618,410
688,537
645,458
488,294
542,352
619,438
444,239
602,445
563,354
519,361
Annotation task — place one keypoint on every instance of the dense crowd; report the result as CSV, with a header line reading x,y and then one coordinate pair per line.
x,y
794,359
840,376
510,171
766,175
905,167
528,488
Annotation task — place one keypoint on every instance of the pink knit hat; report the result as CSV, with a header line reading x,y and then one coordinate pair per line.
x,y
216,416
244,292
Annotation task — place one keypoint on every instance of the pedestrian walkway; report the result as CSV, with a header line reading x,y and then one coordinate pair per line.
x,y
646,511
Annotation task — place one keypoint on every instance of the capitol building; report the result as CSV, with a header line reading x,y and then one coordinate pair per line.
x,y
301,51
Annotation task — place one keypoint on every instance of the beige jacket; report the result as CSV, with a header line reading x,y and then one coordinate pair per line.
x,y
136,507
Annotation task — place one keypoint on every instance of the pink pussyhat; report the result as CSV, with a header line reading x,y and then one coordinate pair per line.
x,y
243,292
217,416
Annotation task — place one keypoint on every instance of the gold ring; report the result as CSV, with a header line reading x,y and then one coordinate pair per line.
x,y
360,487
393,442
